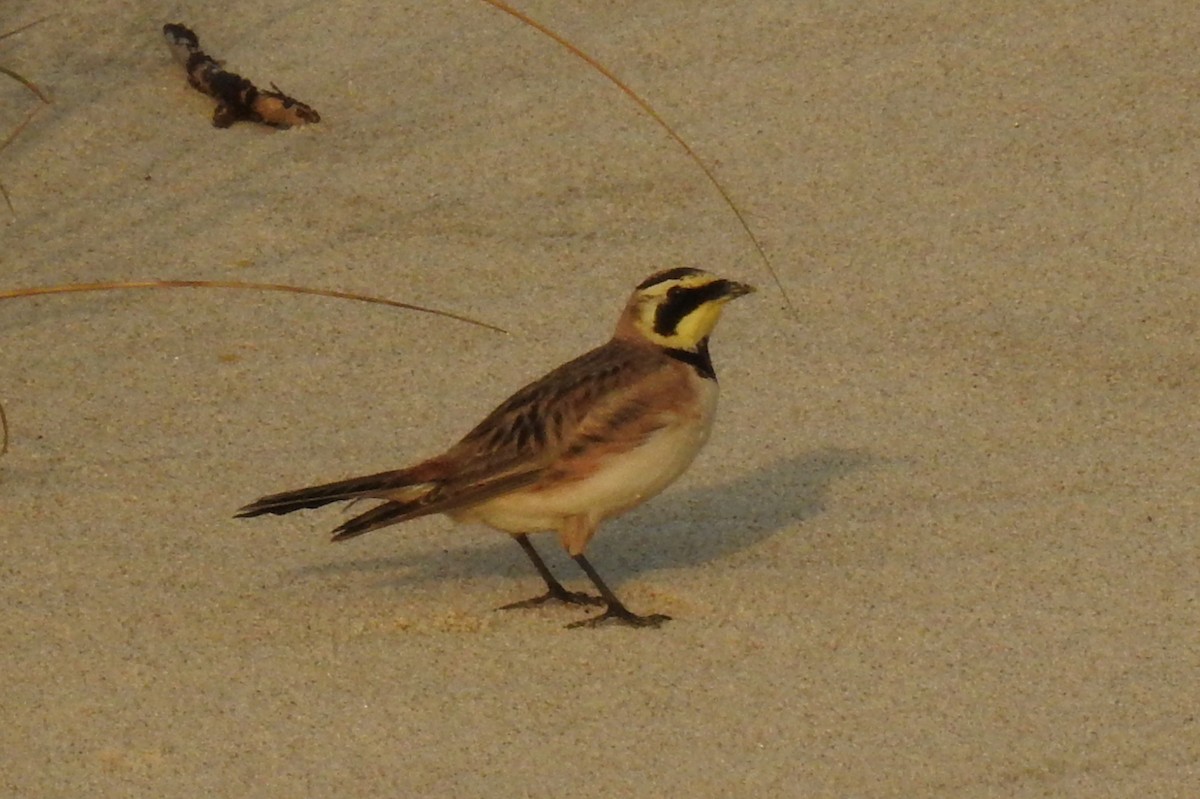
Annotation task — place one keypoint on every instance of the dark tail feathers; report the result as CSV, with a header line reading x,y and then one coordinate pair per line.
x,y
379,516
372,485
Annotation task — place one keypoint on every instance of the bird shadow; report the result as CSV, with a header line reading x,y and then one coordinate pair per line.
x,y
679,529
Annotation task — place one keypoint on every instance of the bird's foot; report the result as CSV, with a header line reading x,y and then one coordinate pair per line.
x,y
619,614
555,595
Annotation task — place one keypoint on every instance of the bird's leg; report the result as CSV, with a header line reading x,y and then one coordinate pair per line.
x,y
615,611
554,589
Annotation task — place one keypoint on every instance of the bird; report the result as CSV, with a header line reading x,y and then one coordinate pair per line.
x,y
592,439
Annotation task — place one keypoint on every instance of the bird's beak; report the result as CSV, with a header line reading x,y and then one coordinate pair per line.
x,y
733,289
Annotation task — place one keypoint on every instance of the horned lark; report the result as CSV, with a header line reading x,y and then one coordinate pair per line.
x,y
590,440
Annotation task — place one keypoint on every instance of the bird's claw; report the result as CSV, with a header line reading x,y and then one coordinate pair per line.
x,y
562,595
619,614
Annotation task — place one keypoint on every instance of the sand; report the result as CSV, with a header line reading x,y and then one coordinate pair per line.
x,y
943,541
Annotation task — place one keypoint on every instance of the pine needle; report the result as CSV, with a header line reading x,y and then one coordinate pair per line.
x,y
24,27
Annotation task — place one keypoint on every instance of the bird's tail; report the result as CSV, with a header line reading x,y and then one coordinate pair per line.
x,y
408,493
401,484
380,516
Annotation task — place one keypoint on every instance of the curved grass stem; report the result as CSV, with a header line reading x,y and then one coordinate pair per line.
x,y
648,109
72,288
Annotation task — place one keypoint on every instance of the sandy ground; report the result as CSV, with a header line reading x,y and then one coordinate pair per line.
x,y
942,544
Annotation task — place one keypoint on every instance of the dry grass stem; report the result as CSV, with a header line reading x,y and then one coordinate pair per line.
x,y
654,115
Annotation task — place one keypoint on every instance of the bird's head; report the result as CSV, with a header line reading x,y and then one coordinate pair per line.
x,y
678,308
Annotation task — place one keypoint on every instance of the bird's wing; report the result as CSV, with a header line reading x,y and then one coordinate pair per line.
x,y
531,429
